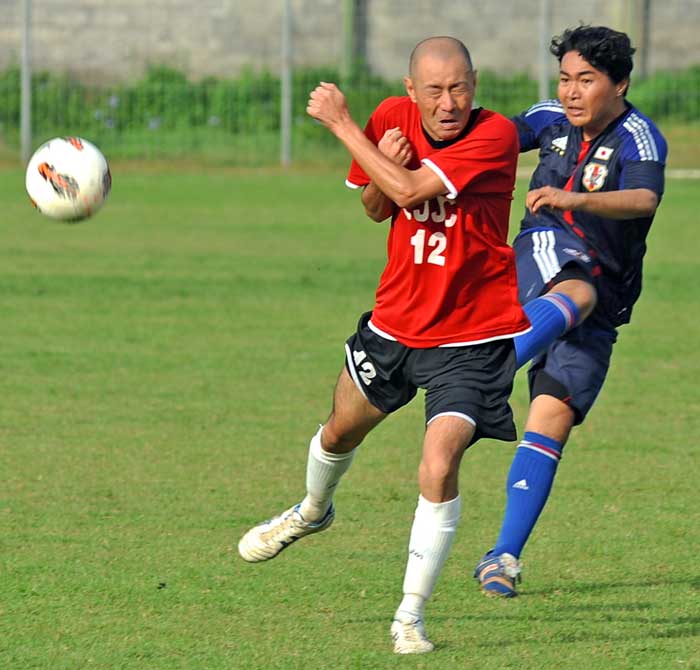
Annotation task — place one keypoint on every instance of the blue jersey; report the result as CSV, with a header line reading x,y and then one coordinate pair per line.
x,y
630,153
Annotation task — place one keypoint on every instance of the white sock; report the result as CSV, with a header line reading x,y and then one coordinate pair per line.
x,y
434,528
323,472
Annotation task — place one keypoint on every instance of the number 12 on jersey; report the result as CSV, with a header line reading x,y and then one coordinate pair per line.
x,y
436,245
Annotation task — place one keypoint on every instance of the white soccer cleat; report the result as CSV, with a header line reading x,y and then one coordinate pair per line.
x,y
409,637
268,539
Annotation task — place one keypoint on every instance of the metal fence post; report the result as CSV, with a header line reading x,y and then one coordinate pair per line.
x,y
347,56
26,83
545,38
286,87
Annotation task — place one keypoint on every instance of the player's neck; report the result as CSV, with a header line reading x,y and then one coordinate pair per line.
x,y
592,130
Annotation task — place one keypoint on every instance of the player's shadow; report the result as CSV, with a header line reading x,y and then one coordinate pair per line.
x,y
595,627
595,618
690,582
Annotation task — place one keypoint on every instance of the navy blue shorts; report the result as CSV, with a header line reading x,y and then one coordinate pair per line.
x,y
574,366
472,382
542,254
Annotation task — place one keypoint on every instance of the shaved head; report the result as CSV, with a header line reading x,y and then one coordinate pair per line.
x,y
442,48
441,82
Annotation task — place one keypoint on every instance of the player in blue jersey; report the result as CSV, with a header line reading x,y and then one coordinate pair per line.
x,y
579,253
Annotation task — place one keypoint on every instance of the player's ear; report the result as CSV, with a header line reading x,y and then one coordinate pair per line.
x,y
409,88
621,87
475,78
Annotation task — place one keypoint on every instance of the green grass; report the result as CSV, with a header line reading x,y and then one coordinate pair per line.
x,y
163,367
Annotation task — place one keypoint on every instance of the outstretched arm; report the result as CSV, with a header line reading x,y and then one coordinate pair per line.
x,y
626,204
406,188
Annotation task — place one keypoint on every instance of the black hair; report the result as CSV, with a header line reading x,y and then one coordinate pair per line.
x,y
607,50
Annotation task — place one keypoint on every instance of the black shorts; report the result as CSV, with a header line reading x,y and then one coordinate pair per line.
x,y
473,382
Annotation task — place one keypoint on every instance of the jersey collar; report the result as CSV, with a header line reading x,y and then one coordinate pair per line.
x,y
614,123
441,144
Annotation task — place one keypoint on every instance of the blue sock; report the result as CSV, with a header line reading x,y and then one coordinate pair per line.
x,y
551,316
527,489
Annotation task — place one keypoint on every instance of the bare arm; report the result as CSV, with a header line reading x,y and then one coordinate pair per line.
x,y
377,206
627,204
393,145
404,187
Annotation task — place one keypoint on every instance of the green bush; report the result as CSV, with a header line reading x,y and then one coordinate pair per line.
x,y
164,113
672,96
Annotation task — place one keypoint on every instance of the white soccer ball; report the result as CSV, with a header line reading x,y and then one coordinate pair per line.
x,y
68,179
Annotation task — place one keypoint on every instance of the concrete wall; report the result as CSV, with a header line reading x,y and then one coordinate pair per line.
x,y
115,40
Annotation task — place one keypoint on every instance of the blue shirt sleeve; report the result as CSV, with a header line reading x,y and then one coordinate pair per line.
x,y
532,122
644,152
643,174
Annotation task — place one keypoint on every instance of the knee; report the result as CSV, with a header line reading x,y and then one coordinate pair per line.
x,y
587,299
437,473
583,294
338,441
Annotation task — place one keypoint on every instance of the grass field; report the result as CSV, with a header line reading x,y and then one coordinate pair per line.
x,y
163,368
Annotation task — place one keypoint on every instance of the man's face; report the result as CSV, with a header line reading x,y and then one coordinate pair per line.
x,y
591,99
443,89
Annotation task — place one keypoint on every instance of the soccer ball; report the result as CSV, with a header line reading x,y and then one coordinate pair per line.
x,y
68,179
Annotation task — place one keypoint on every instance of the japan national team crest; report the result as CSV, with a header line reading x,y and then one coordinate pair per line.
x,y
594,176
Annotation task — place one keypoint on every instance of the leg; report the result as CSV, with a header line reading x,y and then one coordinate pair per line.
x,y
551,417
332,448
330,456
528,486
581,292
351,418
532,471
446,439
434,527
559,310
555,284
563,385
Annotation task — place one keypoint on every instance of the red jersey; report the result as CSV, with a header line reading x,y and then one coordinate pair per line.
x,y
450,276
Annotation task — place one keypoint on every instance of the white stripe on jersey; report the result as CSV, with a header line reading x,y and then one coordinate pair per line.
x,y
543,254
642,136
545,106
452,192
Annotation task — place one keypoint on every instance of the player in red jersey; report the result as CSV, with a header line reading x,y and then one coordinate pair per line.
x,y
446,307
445,251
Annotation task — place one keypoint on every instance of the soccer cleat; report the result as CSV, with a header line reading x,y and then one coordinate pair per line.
x,y
409,637
269,538
498,574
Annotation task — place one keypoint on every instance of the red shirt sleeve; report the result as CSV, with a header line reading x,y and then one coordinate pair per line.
x,y
378,124
483,162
